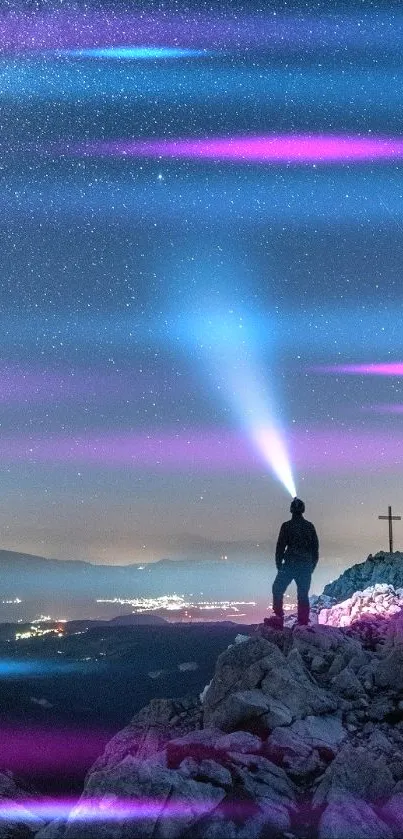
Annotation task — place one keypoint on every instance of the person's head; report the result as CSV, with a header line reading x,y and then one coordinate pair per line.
x,y
297,507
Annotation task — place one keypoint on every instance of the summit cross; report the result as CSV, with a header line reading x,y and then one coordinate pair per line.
x,y
390,518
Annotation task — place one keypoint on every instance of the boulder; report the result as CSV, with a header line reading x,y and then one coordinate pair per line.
x,y
206,770
53,830
392,814
306,715
197,744
22,822
352,819
325,733
256,687
293,685
150,730
357,773
166,803
268,787
389,671
244,709
239,741
298,758
347,684
240,668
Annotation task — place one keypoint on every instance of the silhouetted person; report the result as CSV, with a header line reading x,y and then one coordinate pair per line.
x,y
297,554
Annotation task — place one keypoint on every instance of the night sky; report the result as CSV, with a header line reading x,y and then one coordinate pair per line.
x,y
201,241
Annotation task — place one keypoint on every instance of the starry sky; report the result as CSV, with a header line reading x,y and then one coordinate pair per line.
x,y
202,234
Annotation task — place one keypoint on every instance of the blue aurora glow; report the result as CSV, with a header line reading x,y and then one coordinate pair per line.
x,y
326,331
313,196
210,83
33,668
131,53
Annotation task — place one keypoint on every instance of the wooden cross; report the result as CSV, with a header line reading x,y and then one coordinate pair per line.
x,y
390,518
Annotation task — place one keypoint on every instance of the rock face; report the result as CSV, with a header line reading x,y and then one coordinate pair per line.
x,y
379,601
380,568
300,733
22,822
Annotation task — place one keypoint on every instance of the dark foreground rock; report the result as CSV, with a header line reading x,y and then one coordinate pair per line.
x,y
299,734
21,823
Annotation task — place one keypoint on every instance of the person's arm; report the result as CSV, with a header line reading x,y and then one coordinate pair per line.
x,y
281,546
315,547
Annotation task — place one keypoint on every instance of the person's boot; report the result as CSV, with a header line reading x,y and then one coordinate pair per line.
x,y
275,622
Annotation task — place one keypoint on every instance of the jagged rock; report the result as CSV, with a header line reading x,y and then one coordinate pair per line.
x,y
266,687
197,744
352,819
298,758
380,708
309,714
396,766
243,708
380,744
239,741
322,639
206,770
360,660
383,571
389,671
326,734
278,714
303,745
240,668
392,813
53,830
355,772
23,824
223,827
163,789
347,684
338,664
318,664
268,787
150,730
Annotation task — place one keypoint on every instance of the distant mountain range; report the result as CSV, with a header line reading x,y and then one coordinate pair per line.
x,y
70,587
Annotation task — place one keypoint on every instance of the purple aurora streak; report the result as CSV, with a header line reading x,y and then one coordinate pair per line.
x,y
318,450
287,148
34,749
35,385
107,808
111,808
24,32
385,408
392,368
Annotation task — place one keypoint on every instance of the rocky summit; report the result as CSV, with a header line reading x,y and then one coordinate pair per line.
x,y
374,604
378,568
299,734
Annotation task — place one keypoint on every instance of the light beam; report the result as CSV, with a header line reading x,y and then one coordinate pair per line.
x,y
233,356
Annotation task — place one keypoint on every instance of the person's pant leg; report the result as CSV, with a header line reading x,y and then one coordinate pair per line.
x,y
283,579
303,574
